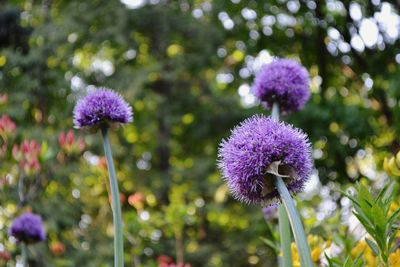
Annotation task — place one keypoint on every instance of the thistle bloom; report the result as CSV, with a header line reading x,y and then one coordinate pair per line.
x,y
254,146
102,106
28,228
284,81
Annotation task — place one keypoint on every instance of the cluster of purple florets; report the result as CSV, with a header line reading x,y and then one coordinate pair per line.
x,y
246,155
28,228
283,81
102,107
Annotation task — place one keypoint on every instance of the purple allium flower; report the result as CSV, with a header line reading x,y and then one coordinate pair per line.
x,y
102,106
284,81
28,228
245,157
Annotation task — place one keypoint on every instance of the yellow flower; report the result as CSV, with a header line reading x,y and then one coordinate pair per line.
x,y
295,256
397,234
317,245
394,259
316,254
393,207
368,255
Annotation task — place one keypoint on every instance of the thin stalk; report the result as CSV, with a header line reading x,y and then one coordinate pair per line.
x,y
285,234
284,226
297,226
275,111
24,254
383,260
179,247
131,239
116,207
21,190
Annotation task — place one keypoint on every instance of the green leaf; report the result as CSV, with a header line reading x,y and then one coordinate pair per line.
x,y
365,222
388,193
270,244
373,246
355,201
333,262
379,219
390,242
358,262
365,195
381,194
392,249
347,262
339,240
330,262
393,218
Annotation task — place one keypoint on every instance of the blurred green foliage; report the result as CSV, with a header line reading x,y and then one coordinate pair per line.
x,y
180,64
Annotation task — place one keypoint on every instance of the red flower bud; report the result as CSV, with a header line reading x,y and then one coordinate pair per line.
x,y
27,154
57,248
68,143
7,127
5,256
3,98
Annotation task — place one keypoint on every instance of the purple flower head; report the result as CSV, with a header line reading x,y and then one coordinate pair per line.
x,y
28,228
284,81
102,106
257,144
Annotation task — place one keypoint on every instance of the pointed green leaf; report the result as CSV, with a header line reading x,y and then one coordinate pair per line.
x,y
381,193
333,262
379,218
347,262
388,194
365,222
358,262
353,199
364,194
270,244
373,246
390,242
393,218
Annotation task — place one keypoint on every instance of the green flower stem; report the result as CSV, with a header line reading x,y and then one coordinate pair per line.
x,y
297,226
21,190
24,254
116,207
275,111
284,226
285,235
